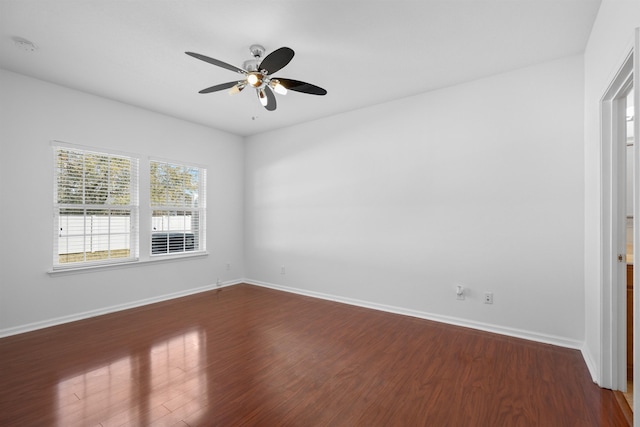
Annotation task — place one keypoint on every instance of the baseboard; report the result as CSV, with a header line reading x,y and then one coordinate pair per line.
x,y
591,366
112,309
512,332
517,333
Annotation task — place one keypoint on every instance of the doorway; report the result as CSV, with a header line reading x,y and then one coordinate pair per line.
x,y
619,207
628,111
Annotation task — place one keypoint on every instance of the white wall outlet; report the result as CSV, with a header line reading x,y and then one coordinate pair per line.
x,y
459,292
228,266
218,282
488,297
282,270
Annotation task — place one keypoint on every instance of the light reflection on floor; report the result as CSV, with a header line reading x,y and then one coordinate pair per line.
x,y
139,388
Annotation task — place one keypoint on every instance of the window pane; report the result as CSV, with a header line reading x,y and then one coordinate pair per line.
x,y
178,221
70,177
174,185
173,231
93,235
96,187
71,235
119,244
120,181
194,224
190,189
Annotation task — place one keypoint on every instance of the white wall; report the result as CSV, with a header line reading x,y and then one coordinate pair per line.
x,y
610,41
479,184
393,205
33,113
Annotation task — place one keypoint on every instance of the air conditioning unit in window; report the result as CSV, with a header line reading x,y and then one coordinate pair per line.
x,y
164,243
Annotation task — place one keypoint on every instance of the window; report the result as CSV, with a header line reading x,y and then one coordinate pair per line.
x,y
178,203
95,207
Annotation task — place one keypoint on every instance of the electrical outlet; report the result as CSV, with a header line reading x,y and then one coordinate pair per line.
x,y
488,297
459,292
228,266
282,270
218,282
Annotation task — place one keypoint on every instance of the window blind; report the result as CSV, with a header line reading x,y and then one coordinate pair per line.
x,y
178,208
95,207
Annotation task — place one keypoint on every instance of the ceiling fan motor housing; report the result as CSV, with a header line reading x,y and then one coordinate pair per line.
x,y
257,50
251,64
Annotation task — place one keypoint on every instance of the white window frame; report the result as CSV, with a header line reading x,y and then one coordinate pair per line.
x,y
109,237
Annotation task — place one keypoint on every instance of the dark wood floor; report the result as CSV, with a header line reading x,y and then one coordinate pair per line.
x,y
245,355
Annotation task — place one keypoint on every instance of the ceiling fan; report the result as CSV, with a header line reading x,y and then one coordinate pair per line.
x,y
258,74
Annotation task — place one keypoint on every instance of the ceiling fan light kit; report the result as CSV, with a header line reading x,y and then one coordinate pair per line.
x,y
258,72
263,98
277,87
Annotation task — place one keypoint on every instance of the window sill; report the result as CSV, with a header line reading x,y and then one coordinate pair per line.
x,y
115,266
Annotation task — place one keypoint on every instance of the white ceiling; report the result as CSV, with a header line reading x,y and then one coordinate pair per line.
x,y
362,52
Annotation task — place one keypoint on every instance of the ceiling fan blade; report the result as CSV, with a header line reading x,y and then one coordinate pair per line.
x,y
216,62
298,86
221,86
267,98
276,60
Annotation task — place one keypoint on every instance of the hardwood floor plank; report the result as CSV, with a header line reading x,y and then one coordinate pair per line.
x,y
246,355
